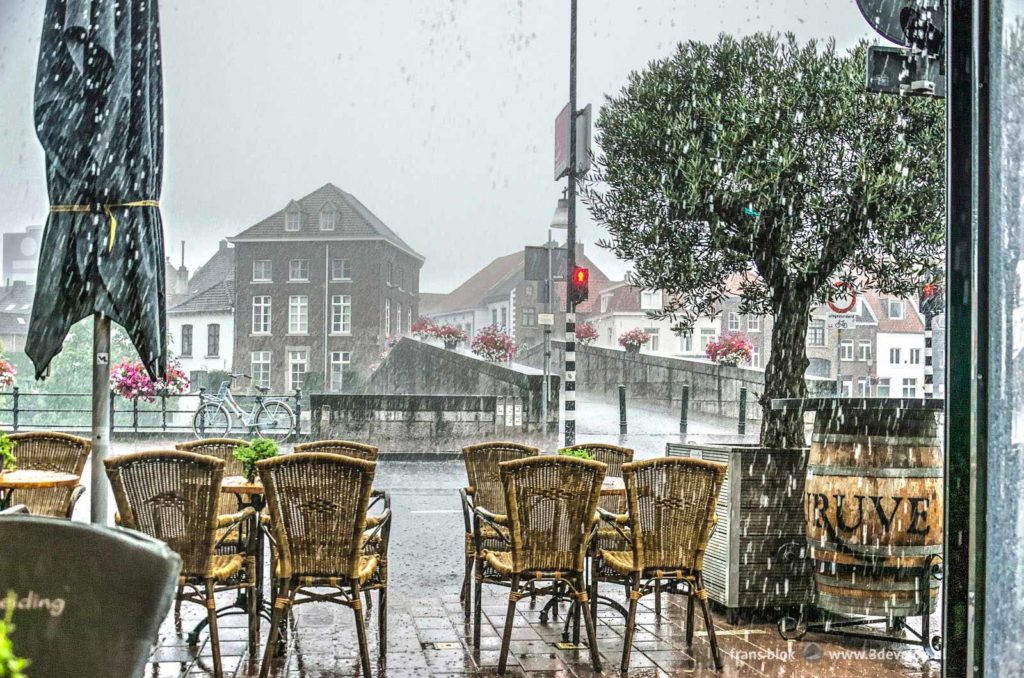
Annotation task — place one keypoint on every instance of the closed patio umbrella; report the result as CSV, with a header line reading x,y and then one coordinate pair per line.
x,y
99,119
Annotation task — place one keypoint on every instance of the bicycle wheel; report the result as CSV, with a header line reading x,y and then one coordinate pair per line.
x,y
211,420
275,420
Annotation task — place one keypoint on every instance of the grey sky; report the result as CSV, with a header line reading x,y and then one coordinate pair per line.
x,y
437,114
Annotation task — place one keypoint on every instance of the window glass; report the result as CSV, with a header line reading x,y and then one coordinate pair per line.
x,y
340,360
293,221
341,314
298,365
340,269
262,270
816,333
298,270
186,341
328,217
298,314
261,314
213,340
259,368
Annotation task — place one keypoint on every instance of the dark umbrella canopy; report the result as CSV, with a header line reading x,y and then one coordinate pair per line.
x,y
99,118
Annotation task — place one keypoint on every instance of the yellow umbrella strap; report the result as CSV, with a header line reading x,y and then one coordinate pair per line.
x,y
107,209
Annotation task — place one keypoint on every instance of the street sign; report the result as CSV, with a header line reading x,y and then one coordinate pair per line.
x,y
583,153
546,319
839,321
894,70
887,16
838,306
535,265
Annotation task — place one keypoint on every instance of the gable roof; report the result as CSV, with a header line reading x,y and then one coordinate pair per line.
x,y
219,268
353,222
214,299
495,280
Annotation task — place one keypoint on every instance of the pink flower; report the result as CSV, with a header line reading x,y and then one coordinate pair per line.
x,y
731,348
492,344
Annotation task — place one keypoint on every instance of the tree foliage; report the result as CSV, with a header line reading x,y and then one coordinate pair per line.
x,y
762,167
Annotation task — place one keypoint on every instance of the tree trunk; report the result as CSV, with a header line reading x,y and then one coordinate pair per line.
x,y
784,373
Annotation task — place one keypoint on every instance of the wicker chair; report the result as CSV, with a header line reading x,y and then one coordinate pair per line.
x,y
174,496
51,451
671,515
485,490
318,505
345,447
551,503
16,510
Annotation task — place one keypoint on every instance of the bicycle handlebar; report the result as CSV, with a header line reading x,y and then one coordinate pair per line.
x,y
240,376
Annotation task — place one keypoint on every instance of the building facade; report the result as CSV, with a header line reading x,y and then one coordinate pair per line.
x,y
320,286
21,255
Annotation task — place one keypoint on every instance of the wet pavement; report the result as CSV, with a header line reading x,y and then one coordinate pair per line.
x,y
429,636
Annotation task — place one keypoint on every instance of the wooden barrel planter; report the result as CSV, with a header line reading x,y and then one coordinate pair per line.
x,y
873,505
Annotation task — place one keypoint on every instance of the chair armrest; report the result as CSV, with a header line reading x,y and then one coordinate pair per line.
x,y
613,518
493,518
76,494
496,521
232,519
378,532
467,507
17,509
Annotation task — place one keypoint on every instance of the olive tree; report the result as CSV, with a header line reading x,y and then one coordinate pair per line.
x,y
765,161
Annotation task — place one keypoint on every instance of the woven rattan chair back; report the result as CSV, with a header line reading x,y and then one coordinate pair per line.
x,y
172,496
483,474
318,505
345,447
49,451
222,448
552,504
672,510
612,456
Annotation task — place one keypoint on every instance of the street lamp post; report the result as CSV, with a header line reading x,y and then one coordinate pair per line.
x,y
570,245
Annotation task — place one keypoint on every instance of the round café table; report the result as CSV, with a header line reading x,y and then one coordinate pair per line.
x,y
32,479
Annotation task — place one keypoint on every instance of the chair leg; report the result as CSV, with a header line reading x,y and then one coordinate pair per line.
x,y
281,604
702,596
177,603
593,587
477,596
657,597
689,615
588,620
467,582
634,596
253,613
382,623
364,650
506,632
211,615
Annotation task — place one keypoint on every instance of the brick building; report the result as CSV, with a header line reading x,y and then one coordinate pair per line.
x,y
320,286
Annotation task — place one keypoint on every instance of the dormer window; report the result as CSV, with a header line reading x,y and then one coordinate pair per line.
x,y
292,220
328,217
895,309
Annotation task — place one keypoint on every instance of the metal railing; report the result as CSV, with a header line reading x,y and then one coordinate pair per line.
x,y
26,411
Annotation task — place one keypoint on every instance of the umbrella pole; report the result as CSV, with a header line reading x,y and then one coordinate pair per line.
x,y
100,417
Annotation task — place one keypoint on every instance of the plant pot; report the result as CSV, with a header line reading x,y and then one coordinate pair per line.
x,y
451,344
632,348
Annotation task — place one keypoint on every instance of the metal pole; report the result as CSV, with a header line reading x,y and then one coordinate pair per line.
x,y
929,370
622,409
839,362
570,245
100,418
547,341
742,427
684,410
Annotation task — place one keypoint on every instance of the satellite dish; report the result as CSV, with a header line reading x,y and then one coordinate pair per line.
x,y
885,16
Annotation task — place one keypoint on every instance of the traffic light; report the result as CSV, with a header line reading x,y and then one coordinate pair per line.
x,y
932,300
579,285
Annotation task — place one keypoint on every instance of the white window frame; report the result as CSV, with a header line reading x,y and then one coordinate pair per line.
x,y
341,314
755,356
883,388
686,342
894,355
864,387
262,276
187,329
650,300
654,344
328,218
298,270
260,358
813,325
209,329
387,317
345,274
340,360
293,221
263,302
753,323
915,356
864,351
846,350
298,314
734,321
846,388
296,357
895,304
707,335
909,387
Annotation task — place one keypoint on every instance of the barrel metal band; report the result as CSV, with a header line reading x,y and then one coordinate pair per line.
x,y
872,471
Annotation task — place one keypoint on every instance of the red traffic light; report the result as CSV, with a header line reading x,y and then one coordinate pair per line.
x,y
930,290
579,286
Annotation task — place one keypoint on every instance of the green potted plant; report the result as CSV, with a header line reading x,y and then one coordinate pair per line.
x,y
7,459
577,452
258,449
11,666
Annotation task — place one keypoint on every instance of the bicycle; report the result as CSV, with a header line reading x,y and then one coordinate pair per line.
x,y
272,418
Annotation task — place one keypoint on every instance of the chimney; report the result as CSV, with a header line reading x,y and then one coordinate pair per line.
x,y
183,254
223,245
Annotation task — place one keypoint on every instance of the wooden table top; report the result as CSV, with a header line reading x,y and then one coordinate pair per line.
x,y
613,486
26,479
239,485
